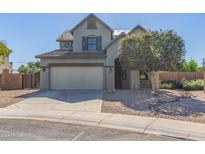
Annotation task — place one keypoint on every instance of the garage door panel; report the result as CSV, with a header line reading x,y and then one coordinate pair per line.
x,y
68,78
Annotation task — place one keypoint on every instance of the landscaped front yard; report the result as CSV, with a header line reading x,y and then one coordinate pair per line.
x,y
173,104
9,97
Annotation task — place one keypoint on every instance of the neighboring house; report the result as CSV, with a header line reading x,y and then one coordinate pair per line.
x,y
6,64
87,59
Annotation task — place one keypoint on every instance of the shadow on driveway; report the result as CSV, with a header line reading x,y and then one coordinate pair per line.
x,y
67,96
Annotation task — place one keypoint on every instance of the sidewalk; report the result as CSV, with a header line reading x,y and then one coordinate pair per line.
x,y
149,125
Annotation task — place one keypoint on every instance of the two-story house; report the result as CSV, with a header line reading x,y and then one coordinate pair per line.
x,y
87,59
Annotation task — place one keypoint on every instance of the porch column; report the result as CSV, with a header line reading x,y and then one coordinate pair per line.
x,y
134,79
110,78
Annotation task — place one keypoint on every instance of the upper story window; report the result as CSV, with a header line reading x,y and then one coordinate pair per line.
x,y
91,23
92,43
68,45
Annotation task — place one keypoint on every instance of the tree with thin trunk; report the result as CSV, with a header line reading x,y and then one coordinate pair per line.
x,y
4,51
152,51
30,68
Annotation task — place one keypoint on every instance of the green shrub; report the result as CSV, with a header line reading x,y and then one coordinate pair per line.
x,y
167,85
179,84
193,84
183,84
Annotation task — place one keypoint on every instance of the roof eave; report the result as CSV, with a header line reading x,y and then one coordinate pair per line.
x,y
119,36
85,19
73,57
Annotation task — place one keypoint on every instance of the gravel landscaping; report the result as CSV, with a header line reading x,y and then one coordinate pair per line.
x,y
174,104
9,97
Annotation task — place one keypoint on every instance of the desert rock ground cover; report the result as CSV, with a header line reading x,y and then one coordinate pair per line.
x,y
173,104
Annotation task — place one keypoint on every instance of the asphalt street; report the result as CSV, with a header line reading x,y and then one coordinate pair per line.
x,y
33,130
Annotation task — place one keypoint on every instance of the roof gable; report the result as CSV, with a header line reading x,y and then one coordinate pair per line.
x,y
91,15
138,27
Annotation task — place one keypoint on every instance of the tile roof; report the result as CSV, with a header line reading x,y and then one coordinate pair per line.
x,y
65,36
67,54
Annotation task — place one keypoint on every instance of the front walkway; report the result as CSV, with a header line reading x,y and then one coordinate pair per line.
x,y
84,108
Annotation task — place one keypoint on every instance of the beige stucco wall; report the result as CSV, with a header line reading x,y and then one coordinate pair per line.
x,y
44,79
62,45
112,54
83,31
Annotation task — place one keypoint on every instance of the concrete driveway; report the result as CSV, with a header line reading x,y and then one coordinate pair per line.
x,y
89,101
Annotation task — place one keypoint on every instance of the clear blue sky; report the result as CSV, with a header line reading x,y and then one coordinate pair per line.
x,y
31,34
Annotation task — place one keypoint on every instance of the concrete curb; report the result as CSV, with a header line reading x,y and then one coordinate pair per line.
x,y
115,121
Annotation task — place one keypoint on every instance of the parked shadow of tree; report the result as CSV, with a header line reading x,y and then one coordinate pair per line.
x,y
164,102
68,96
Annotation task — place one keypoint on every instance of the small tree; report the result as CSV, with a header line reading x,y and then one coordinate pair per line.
x,y
151,51
4,51
190,66
30,68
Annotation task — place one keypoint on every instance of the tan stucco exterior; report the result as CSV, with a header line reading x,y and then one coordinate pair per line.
x,y
83,31
112,54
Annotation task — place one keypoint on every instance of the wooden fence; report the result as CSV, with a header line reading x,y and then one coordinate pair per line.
x,y
177,76
30,81
14,81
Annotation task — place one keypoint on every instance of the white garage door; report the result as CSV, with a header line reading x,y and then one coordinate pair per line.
x,y
68,78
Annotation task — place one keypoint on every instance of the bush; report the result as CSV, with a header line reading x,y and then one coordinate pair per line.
x,y
183,84
193,84
167,85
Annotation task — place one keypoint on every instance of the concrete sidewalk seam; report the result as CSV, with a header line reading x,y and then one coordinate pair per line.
x,y
110,115
77,136
146,127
